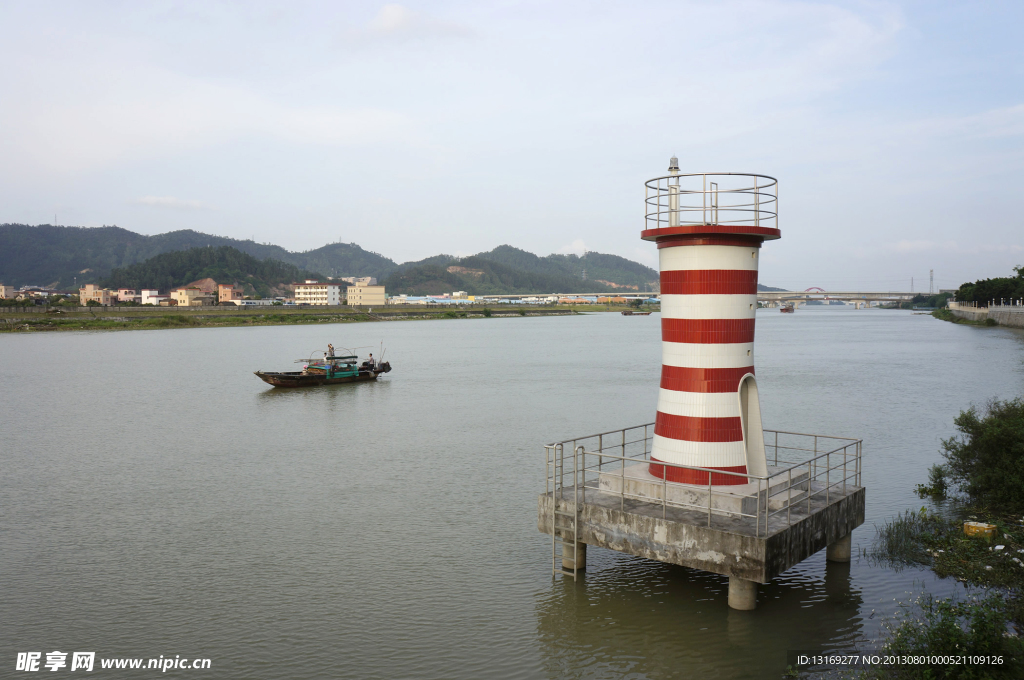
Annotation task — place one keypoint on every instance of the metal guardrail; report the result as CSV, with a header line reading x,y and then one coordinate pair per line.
x,y
736,198
813,466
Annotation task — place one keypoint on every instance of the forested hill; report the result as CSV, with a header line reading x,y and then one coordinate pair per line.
x,y
224,264
59,256
479,276
611,270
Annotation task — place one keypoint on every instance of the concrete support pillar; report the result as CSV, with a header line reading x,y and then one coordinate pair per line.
x,y
581,555
742,594
840,550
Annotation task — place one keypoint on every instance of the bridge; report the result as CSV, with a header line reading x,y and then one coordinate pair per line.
x,y
858,298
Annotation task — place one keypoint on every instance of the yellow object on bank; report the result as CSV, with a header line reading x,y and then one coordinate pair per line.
x,y
979,529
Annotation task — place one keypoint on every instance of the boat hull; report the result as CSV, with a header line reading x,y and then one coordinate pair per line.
x,y
297,379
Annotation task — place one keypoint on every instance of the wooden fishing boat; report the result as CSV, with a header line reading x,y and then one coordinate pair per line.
x,y
330,370
787,308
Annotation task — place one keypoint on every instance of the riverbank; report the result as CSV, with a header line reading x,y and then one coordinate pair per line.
x,y
947,315
993,315
143,318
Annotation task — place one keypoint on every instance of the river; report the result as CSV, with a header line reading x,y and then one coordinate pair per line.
x,y
158,499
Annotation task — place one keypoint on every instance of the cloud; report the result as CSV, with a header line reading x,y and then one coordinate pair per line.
x,y
171,202
398,22
577,247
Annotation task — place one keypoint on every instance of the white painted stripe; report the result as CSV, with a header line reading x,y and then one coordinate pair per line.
x,y
699,404
702,454
708,306
700,355
678,258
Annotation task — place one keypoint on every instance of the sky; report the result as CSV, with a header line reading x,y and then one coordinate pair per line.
x,y
895,129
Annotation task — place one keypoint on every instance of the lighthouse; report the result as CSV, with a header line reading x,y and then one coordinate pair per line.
x,y
709,228
705,486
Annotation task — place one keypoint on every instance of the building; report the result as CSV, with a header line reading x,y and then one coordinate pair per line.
x,y
320,293
460,295
150,296
7,291
128,295
228,292
358,281
366,295
93,293
191,297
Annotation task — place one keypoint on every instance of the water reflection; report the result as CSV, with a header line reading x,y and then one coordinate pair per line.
x,y
633,617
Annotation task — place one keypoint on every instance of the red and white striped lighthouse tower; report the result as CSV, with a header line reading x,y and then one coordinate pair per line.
x,y
709,228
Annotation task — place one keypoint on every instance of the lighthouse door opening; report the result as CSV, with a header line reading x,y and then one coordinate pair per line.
x,y
753,434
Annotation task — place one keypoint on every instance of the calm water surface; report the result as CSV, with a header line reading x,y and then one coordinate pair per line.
x,y
158,499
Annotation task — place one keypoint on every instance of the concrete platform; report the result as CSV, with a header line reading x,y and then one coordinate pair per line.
x,y
723,543
733,499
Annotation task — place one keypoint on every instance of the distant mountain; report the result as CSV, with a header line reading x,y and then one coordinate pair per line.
x,y
611,271
769,289
61,256
479,276
224,264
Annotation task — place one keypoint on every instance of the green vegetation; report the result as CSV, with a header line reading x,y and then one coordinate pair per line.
x,y
225,264
922,300
936,627
946,315
142,318
986,290
985,462
479,276
984,465
600,269
59,256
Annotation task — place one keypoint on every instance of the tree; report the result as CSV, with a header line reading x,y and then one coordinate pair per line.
x,y
986,461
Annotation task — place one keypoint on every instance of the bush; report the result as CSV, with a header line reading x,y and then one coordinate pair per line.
x,y
977,626
487,312
986,461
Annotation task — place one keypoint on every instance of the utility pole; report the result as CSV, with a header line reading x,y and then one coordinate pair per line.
x,y
911,284
931,282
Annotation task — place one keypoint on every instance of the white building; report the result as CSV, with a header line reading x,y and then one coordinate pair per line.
x,y
150,296
319,293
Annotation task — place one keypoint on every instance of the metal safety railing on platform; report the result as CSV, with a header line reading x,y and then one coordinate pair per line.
x,y
722,198
805,469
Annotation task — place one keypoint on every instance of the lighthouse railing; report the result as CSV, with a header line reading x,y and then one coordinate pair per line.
x,y
705,198
804,469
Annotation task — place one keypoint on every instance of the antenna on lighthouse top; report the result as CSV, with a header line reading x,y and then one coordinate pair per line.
x,y
673,166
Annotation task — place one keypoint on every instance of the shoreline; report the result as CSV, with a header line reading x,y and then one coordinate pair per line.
x,y
136,318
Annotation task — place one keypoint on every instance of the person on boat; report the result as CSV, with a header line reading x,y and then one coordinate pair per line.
x,y
330,350
369,363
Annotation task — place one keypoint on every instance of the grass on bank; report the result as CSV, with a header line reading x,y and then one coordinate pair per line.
x,y
55,322
946,315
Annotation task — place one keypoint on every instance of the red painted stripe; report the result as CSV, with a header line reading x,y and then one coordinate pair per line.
x,y
684,379
685,476
707,331
690,429
744,241
709,282
761,233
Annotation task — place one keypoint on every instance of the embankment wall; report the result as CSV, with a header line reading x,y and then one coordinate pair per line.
x,y
1004,315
